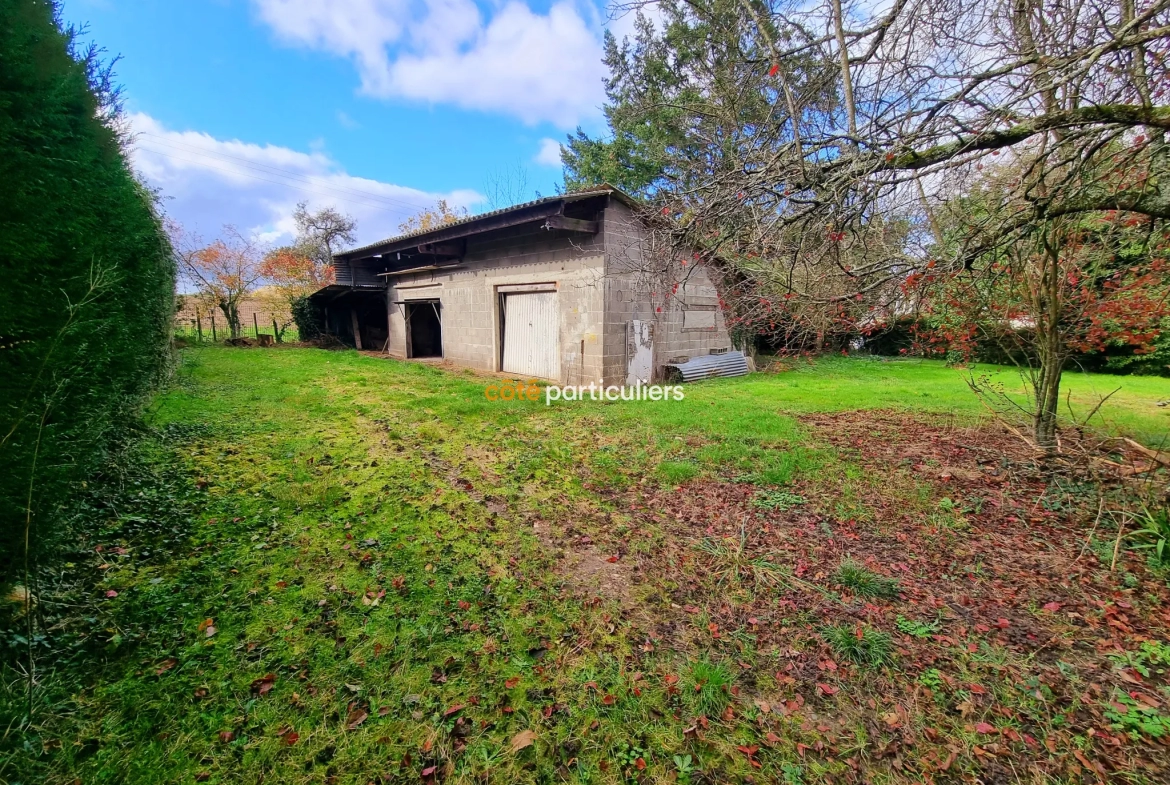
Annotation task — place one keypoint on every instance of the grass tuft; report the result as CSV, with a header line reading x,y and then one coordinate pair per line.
x,y
709,687
865,582
862,644
677,472
731,562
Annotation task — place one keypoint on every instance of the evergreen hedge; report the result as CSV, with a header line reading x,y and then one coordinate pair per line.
x,y
86,276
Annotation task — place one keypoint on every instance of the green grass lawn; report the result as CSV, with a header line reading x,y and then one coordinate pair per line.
x,y
840,384
328,567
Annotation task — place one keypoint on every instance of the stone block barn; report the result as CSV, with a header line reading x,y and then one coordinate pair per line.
x,y
564,289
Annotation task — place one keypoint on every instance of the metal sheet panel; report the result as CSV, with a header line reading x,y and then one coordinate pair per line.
x,y
712,365
532,348
349,274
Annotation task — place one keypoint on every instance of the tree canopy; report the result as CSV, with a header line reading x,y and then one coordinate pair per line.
x,y
815,153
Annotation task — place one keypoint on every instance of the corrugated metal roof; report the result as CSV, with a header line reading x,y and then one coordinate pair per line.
x,y
712,365
604,190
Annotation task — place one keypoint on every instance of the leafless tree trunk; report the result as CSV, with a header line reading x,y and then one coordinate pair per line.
x,y
1051,352
231,314
846,78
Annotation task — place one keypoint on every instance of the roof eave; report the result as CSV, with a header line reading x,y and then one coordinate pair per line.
x,y
499,219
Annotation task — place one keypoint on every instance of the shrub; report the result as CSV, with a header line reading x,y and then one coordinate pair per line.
x,y
898,337
1154,363
309,319
88,275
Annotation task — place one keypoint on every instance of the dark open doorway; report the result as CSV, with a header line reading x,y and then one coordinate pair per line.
x,y
424,329
357,317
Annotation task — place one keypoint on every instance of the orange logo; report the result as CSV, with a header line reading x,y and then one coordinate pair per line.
x,y
512,390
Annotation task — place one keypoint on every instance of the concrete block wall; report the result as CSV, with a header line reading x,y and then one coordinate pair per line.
x,y
678,339
520,255
627,288
633,292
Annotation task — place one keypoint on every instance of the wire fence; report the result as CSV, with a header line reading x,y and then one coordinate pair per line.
x,y
196,322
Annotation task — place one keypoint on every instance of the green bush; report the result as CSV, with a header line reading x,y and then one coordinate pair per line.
x,y
1154,363
87,271
309,319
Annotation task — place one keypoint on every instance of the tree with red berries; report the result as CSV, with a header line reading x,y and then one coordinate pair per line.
x,y
850,200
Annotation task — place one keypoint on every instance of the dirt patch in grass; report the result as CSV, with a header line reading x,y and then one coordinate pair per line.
x,y
587,572
1008,643
938,448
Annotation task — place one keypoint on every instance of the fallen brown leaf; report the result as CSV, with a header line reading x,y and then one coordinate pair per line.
x,y
356,718
525,738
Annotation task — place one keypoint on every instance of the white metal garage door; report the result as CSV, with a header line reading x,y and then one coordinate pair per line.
x,y
531,343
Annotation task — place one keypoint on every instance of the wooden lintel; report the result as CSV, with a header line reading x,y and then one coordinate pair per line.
x,y
454,250
570,224
422,268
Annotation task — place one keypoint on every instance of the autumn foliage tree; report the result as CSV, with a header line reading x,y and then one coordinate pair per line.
x,y
292,275
296,271
224,272
1072,286
441,214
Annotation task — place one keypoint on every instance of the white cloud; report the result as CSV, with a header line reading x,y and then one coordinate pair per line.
x,y
539,67
347,122
208,183
549,153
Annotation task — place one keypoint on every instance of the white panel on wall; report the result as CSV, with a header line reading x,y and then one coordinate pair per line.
x,y
698,320
640,350
699,290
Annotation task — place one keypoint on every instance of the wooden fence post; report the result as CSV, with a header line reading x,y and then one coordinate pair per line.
x,y
255,324
213,338
275,331
199,326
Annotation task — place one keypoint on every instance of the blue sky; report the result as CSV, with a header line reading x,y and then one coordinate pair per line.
x,y
242,108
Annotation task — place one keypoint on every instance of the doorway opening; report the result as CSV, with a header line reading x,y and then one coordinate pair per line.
x,y
357,317
424,329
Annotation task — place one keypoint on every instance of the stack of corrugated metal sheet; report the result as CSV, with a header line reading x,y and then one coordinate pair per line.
x,y
712,365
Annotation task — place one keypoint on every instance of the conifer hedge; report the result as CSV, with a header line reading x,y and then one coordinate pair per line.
x,y
86,276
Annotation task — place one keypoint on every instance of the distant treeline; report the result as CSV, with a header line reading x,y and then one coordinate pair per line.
x,y
86,276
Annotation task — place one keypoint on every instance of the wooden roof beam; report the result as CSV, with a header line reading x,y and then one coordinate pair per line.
x,y
571,224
